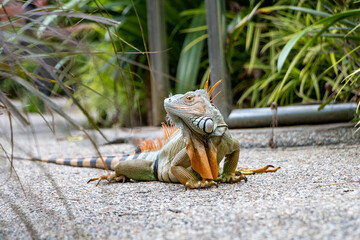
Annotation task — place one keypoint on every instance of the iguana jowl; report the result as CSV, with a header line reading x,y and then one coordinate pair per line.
x,y
190,156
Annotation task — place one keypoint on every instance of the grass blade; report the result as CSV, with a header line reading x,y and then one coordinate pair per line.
x,y
14,111
189,61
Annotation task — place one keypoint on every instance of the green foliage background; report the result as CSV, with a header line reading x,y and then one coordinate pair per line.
x,y
298,52
277,51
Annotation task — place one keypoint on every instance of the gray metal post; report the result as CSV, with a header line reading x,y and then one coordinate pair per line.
x,y
215,19
158,61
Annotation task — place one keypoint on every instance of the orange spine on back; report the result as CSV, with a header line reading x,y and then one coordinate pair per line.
x,y
153,145
210,91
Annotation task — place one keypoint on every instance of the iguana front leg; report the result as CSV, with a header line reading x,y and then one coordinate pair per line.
x,y
180,169
230,163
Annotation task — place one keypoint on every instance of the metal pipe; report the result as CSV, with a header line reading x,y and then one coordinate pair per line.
x,y
292,115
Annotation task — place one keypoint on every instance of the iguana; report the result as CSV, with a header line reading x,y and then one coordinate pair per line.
x,y
190,155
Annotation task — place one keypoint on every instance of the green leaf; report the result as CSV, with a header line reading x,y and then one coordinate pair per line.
x,y
197,11
189,61
249,35
194,42
255,48
195,29
289,45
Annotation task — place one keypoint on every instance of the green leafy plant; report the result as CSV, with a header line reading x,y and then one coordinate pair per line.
x,y
31,65
288,52
124,79
293,50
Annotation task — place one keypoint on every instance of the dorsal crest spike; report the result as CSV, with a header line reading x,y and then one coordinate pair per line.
x,y
210,91
168,130
206,87
213,88
215,96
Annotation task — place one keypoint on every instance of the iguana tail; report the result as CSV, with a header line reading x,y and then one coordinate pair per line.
x,y
90,162
147,150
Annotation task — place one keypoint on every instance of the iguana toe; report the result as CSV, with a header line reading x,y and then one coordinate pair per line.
x,y
231,178
191,184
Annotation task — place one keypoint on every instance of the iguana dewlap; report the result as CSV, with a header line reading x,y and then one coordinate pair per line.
x,y
190,156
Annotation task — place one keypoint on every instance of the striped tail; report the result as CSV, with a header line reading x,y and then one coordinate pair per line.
x,y
90,162
94,162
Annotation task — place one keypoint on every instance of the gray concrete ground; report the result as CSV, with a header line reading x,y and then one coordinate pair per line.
x,y
312,196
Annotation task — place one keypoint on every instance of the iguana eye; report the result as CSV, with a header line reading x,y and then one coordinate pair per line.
x,y
189,98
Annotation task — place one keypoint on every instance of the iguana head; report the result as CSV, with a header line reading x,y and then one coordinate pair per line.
x,y
193,111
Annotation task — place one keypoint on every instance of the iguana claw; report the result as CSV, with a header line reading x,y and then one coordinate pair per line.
x,y
110,177
191,184
97,178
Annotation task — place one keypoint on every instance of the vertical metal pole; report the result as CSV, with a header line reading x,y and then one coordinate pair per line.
x,y
215,20
158,61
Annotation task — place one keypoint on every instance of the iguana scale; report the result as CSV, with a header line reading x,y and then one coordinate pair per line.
x,y
191,155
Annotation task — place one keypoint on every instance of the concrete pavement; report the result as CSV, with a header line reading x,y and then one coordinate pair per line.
x,y
313,196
